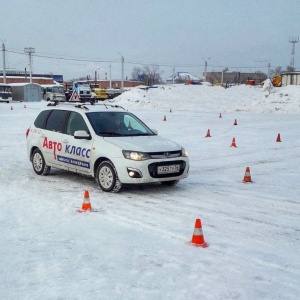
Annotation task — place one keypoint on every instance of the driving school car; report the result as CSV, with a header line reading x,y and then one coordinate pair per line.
x,y
105,142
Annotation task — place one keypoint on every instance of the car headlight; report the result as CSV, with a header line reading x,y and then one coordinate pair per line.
x,y
135,155
184,153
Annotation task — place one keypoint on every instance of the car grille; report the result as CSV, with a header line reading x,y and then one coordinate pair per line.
x,y
152,168
164,155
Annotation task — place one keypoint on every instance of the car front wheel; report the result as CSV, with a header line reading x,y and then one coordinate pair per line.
x,y
38,163
107,177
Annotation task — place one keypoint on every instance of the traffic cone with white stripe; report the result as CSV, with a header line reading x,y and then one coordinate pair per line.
x,y
233,144
247,177
86,204
198,238
235,122
220,116
165,118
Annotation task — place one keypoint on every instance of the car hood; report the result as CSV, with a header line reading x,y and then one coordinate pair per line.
x,y
153,143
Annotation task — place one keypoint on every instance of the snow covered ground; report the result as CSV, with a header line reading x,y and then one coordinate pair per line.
x,y
136,244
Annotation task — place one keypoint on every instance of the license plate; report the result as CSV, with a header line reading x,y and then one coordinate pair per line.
x,y
168,169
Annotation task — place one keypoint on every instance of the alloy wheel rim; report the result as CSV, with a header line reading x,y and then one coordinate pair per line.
x,y
37,162
106,177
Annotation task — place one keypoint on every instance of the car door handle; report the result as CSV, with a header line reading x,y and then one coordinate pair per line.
x,y
65,141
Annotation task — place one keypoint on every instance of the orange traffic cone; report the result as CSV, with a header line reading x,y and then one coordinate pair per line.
x,y
220,116
247,177
235,122
165,118
86,204
233,144
198,239
170,109
278,138
208,133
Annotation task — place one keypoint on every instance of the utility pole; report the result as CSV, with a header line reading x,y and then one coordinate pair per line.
x,y
110,76
4,67
205,70
95,85
122,61
173,74
222,78
293,40
29,51
268,65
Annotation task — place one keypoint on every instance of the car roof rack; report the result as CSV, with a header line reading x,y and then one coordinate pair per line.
x,y
82,104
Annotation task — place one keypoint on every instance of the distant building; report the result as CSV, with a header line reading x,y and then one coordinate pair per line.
x,y
42,79
28,92
105,84
14,76
229,78
290,78
182,77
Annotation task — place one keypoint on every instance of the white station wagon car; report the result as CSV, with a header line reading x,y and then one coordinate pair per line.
x,y
105,142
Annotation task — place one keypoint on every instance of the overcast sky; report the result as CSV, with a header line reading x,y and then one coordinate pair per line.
x,y
241,34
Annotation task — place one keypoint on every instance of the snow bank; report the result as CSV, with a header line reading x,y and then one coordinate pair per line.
x,y
242,98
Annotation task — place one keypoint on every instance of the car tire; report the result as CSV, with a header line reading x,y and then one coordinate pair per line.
x,y
170,183
39,164
107,177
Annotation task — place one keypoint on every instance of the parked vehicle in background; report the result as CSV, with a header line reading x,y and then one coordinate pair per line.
x,y
112,93
276,81
5,93
53,92
99,94
83,90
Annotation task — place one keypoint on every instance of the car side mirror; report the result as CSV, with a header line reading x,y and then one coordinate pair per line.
x,y
155,131
82,135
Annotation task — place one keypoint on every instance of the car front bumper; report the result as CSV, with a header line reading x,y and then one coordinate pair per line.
x,y
147,171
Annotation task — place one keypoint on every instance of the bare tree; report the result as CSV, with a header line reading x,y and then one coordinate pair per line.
x,y
153,74
136,73
290,69
149,75
276,71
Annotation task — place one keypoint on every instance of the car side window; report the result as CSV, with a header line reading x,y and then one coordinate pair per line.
x,y
57,120
76,122
40,121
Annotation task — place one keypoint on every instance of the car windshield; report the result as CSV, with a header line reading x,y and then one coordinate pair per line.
x,y
118,124
58,89
5,89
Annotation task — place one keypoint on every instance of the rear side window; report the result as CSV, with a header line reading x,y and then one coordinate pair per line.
x,y
57,120
40,121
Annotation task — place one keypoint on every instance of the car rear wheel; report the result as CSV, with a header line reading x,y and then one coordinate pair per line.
x,y
107,177
38,163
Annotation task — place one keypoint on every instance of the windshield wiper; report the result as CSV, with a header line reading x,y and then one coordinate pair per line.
x,y
141,134
110,133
